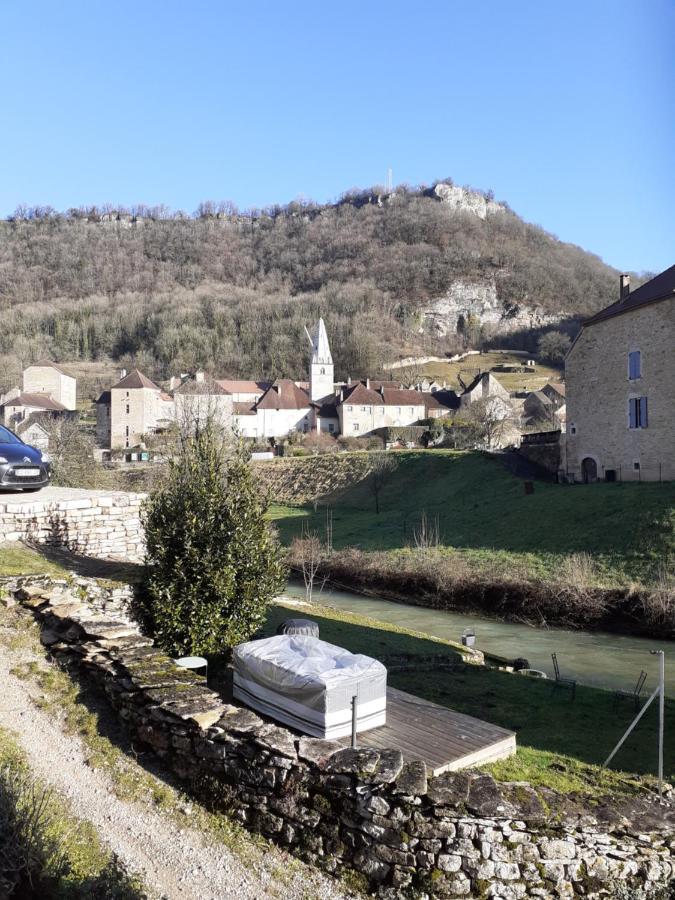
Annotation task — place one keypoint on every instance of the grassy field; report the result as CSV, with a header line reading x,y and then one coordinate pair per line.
x,y
16,559
468,368
482,510
561,743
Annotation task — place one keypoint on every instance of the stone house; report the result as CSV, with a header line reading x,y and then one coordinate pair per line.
x,y
620,385
546,405
283,408
483,386
130,410
45,377
366,406
18,407
199,399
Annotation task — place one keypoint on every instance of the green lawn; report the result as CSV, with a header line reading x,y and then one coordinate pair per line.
x,y
15,559
483,510
561,743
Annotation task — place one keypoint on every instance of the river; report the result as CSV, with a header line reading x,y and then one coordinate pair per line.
x,y
595,658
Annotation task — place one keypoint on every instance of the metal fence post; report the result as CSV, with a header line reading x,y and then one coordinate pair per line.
x,y
354,715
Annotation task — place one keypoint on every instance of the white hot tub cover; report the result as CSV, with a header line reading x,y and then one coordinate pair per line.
x,y
309,684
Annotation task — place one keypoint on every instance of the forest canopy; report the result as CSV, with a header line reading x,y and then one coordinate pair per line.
x,y
231,291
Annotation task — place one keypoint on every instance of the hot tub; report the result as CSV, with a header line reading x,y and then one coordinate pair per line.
x,y
308,684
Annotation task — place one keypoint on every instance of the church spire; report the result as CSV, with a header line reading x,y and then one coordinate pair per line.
x,y
321,365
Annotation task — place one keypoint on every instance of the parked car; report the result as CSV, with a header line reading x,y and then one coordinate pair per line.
x,y
22,467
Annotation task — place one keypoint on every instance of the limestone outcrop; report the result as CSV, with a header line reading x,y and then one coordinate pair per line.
x,y
477,302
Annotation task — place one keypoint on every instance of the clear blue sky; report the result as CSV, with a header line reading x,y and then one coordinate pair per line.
x,y
565,109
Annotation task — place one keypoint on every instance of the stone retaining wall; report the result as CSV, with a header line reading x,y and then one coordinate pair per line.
x,y
408,834
93,523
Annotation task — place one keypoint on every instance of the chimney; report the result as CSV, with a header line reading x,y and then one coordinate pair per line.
x,y
349,379
123,373
624,286
199,377
368,383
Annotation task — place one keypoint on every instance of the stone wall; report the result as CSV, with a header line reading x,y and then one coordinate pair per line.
x,y
408,834
598,391
93,523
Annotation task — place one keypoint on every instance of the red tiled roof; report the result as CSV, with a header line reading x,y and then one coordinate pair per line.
x,y
37,401
243,387
135,380
283,394
662,287
360,394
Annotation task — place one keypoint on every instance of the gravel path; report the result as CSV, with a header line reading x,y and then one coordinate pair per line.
x,y
175,862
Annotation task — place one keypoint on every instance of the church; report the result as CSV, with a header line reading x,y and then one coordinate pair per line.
x,y
263,410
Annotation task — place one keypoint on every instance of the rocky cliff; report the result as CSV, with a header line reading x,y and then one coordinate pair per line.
x,y
471,302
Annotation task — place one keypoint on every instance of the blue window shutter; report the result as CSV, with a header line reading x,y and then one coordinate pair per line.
x,y
632,404
643,412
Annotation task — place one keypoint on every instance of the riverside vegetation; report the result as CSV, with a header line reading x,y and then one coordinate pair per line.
x,y
173,292
458,531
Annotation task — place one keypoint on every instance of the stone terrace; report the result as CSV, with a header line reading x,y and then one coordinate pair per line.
x,y
451,836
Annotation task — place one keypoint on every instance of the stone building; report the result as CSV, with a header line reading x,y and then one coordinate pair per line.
x,y
130,410
368,405
45,377
18,407
620,385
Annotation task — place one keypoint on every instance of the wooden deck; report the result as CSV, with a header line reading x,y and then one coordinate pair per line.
x,y
443,739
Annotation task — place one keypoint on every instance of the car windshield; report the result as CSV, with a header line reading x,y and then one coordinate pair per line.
x,y
7,437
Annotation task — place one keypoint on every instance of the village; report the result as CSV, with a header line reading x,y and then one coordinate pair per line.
x,y
576,434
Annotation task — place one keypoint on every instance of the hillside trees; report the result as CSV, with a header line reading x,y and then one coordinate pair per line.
x,y
205,291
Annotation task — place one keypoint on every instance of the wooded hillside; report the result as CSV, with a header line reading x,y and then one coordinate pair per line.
x,y
232,292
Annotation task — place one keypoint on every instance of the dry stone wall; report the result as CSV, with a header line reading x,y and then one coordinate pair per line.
x,y
93,523
408,834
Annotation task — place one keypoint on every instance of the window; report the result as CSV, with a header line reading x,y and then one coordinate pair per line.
x,y
331,427
398,410
127,433
634,365
350,408
610,475
636,465
573,429
382,410
364,409
637,412
127,409
322,371
356,426
412,410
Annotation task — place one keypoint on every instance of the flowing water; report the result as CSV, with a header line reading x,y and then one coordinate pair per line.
x,y
595,658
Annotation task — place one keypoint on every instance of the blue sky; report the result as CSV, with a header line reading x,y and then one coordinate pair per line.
x,y
565,109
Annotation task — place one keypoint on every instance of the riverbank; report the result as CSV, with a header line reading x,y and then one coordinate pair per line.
x,y
437,579
561,742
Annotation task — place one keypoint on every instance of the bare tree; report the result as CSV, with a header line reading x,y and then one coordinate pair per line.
x,y
427,533
382,466
71,451
489,420
307,554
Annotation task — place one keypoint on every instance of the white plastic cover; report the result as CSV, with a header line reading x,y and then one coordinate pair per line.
x,y
310,683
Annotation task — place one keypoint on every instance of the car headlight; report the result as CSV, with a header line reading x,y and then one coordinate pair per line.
x,y
45,457
3,459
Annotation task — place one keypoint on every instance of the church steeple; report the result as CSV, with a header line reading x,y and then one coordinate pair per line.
x,y
321,368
